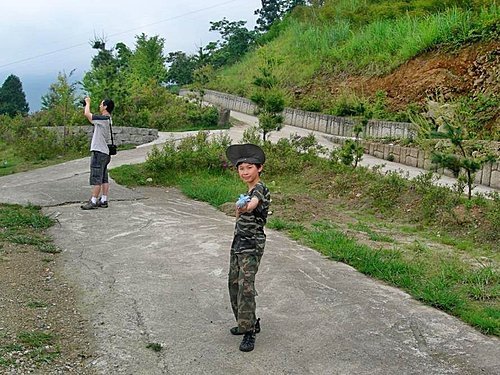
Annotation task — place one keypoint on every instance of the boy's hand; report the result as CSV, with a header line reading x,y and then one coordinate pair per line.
x,y
242,201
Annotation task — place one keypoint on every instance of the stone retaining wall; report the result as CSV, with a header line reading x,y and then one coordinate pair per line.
x,y
489,175
339,127
121,134
335,125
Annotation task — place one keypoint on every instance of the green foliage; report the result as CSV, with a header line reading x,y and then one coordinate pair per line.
x,y
154,346
350,153
134,80
236,41
362,12
252,135
372,235
192,153
33,143
181,68
24,225
108,75
201,76
155,107
435,204
38,143
359,37
493,217
215,188
480,113
268,98
273,11
352,150
448,122
134,175
310,104
385,193
15,216
39,346
119,73
292,155
12,97
146,65
61,103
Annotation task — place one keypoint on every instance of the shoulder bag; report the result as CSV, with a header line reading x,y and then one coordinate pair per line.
x,y
112,146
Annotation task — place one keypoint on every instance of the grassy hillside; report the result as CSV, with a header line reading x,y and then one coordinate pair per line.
x,y
343,57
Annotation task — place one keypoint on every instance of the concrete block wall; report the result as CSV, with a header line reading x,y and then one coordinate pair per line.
x,y
489,175
121,134
335,125
339,127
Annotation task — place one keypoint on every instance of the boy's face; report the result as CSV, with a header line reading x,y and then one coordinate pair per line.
x,y
249,172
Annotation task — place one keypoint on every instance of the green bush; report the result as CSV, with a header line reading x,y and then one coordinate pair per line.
x,y
493,217
36,143
385,192
311,104
198,152
156,107
73,116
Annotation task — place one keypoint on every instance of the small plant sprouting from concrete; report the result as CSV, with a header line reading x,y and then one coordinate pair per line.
x,y
154,346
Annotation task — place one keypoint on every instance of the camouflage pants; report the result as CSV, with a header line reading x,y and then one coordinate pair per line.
x,y
241,282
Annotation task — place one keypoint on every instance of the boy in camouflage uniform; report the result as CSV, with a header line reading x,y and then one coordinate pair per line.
x,y
249,241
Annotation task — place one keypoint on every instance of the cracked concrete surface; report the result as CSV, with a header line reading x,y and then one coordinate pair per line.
x,y
154,271
152,268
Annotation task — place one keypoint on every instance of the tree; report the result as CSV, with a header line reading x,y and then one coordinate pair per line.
x,y
268,98
181,68
12,97
119,72
201,77
61,101
107,76
274,10
147,62
455,151
236,41
352,150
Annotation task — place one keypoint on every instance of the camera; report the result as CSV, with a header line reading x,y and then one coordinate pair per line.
x,y
83,103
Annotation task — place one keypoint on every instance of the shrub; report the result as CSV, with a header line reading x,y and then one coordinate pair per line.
x,y
197,152
156,107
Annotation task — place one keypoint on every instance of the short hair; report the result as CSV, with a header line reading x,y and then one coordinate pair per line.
x,y
109,104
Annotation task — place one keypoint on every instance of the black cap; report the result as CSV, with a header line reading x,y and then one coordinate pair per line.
x,y
246,153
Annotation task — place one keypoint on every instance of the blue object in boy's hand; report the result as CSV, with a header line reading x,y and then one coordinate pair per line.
x,y
242,201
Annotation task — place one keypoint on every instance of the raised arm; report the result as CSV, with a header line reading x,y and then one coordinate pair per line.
x,y
86,110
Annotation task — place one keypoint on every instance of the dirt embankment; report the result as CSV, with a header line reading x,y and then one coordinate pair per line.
x,y
473,69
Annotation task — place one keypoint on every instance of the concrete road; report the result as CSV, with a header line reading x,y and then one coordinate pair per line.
x,y
152,268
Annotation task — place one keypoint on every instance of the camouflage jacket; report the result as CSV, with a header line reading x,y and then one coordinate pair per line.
x,y
249,234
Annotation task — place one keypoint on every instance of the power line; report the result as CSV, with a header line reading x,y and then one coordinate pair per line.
x,y
119,33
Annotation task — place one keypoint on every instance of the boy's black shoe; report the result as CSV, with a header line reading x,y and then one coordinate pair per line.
x,y
248,342
102,204
89,206
235,331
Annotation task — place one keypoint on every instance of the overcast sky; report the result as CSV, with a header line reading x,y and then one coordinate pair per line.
x,y
39,39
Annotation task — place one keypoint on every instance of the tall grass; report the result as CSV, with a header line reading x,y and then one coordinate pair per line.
x,y
307,49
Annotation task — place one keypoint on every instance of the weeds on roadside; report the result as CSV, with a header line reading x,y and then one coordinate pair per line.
x,y
24,226
37,346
